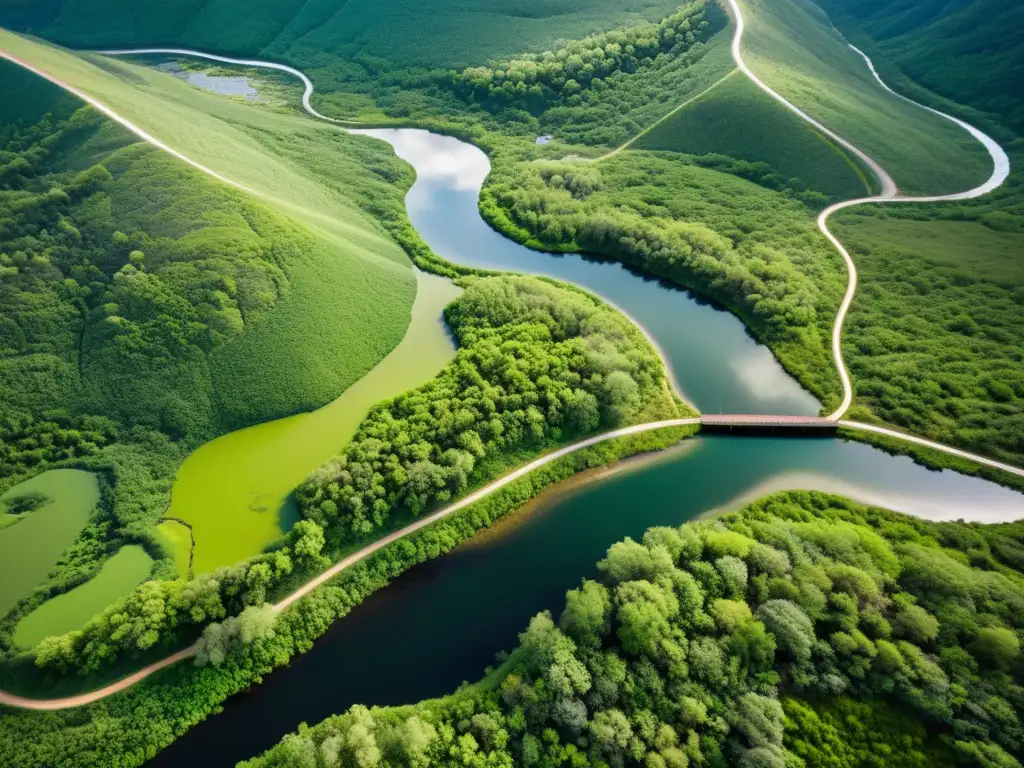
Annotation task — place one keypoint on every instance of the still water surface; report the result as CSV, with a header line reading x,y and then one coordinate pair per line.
x,y
442,622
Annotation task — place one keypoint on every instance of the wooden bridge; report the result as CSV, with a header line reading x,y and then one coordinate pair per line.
x,y
759,424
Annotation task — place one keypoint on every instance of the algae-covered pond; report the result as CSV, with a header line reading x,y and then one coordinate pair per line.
x,y
235,491
54,507
72,610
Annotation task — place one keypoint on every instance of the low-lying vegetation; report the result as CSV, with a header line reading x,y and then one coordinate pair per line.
x,y
792,47
934,339
802,630
739,120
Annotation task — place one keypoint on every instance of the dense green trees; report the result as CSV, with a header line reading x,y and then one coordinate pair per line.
x,y
538,365
804,630
127,729
537,82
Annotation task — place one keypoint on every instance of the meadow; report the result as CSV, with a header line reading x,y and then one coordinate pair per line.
x,y
790,45
738,120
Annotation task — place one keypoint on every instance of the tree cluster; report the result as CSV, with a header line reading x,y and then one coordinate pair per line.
x,y
776,637
536,82
537,366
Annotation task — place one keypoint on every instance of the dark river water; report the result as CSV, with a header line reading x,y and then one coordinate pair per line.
x,y
443,622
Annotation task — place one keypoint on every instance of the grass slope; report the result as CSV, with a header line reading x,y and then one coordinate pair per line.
x,y
737,119
231,138
790,45
970,52
149,307
399,32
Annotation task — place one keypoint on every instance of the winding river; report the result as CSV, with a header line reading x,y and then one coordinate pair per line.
x,y
442,622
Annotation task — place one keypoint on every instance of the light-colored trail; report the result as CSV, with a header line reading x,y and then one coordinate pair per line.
x,y
860,426
663,118
307,94
889,193
20,702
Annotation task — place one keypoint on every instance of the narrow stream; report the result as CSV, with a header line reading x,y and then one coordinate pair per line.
x,y
442,622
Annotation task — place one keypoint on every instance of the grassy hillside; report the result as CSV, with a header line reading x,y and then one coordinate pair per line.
x,y
968,52
244,143
394,32
802,630
737,119
791,46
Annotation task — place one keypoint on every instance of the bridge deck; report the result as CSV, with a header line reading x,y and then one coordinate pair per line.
x,y
758,420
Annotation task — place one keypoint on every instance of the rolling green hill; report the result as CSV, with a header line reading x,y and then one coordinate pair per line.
x,y
316,32
969,52
739,120
790,45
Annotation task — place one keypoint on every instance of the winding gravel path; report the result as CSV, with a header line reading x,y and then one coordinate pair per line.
x,y
889,192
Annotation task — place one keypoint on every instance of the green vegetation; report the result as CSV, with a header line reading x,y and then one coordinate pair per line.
x,y
602,89
49,512
838,732
981,63
235,491
739,120
357,38
790,45
803,630
538,366
751,248
71,610
127,729
146,303
934,340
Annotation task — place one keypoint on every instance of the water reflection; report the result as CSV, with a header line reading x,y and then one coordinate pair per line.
x,y
442,622
717,364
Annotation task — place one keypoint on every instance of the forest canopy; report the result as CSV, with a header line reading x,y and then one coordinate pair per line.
x,y
804,630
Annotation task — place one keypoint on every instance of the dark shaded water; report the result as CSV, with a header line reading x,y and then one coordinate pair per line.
x,y
443,622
